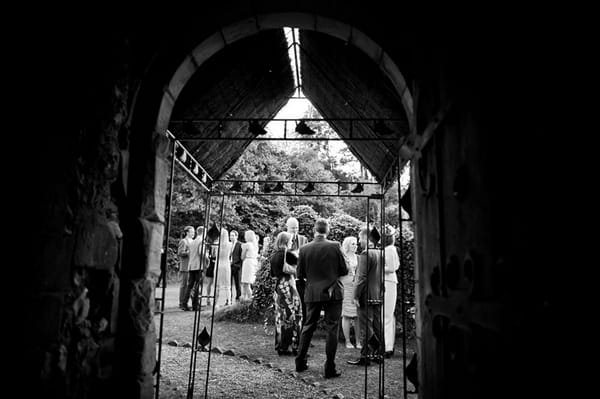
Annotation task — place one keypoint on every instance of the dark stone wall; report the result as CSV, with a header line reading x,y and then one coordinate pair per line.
x,y
487,292
72,301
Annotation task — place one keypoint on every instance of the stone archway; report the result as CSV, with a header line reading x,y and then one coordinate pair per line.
x,y
152,183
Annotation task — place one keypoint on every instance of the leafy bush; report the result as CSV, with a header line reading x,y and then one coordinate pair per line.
x,y
261,306
408,277
342,225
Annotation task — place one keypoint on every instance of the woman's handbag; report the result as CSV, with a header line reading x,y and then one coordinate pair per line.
x,y
290,261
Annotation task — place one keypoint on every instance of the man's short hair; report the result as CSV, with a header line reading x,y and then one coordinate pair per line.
x,y
321,226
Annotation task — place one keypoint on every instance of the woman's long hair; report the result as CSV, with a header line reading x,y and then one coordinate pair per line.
x,y
282,240
346,249
250,238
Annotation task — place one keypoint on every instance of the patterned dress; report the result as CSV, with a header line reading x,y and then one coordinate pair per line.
x,y
288,308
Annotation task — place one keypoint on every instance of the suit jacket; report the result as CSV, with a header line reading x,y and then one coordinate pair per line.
x,y
302,240
183,252
369,268
321,262
236,255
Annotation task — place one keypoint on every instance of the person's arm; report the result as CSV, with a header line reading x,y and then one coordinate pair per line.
x,y
342,266
392,262
244,251
183,250
276,261
361,277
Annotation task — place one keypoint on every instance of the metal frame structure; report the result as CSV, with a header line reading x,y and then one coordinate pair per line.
x,y
189,124
199,174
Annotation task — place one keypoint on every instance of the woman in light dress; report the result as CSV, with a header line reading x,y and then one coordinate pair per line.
x,y
392,264
249,264
349,246
223,271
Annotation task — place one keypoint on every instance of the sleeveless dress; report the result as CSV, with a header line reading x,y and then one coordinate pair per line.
x,y
223,272
348,307
249,264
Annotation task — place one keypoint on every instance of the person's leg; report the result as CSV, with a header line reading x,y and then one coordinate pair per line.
x,y
388,314
313,311
183,299
245,291
333,311
346,331
194,284
357,331
189,290
236,281
209,290
377,323
365,316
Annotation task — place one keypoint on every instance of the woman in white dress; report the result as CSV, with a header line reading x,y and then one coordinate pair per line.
x,y
349,312
223,271
392,264
249,264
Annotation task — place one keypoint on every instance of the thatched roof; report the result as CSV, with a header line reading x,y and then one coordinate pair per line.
x,y
252,78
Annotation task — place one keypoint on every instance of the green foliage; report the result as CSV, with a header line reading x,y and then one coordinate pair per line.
x,y
261,306
342,225
407,275
263,288
306,216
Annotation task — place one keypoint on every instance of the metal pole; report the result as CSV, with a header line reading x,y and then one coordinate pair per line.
x,y
298,181
356,119
366,326
163,267
263,138
196,326
382,297
402,289
214,298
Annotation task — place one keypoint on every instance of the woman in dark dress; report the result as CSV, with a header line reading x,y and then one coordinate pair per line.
x,y
288,310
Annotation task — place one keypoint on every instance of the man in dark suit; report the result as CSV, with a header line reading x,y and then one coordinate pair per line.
x,y
296,242
321,262
235,258
367,297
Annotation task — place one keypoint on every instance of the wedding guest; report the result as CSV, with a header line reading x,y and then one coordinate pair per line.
x,y
183,253
198,260
296,242
367,297
288,312
223,271
322,263
236,264
391,265
249,264
349,312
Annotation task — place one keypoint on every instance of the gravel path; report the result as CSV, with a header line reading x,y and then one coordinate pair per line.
x,y
254,370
